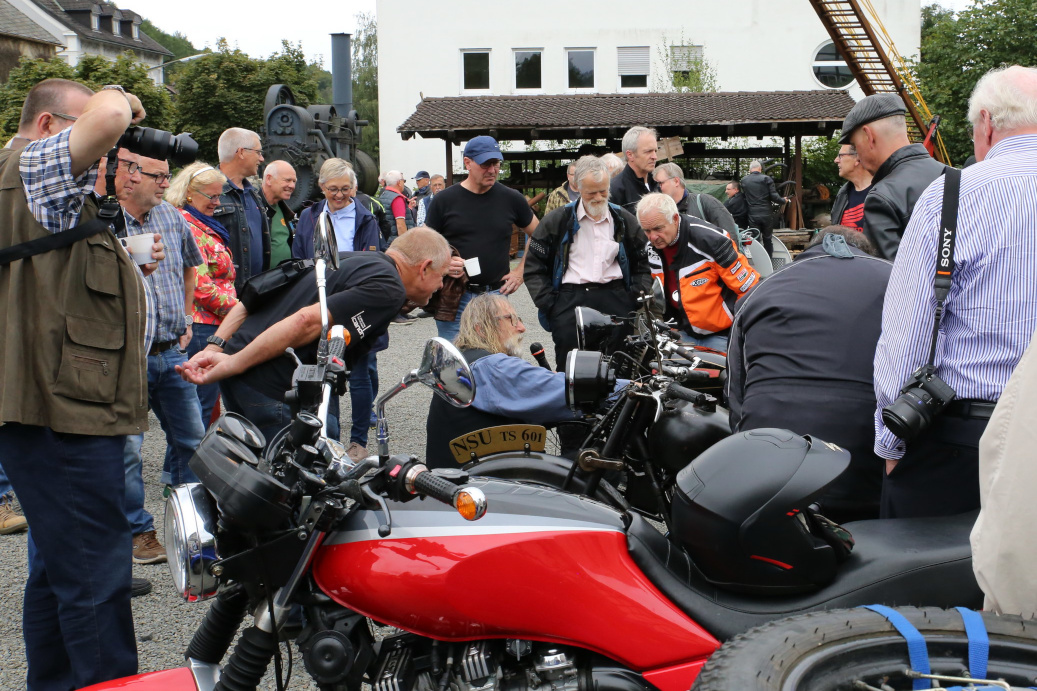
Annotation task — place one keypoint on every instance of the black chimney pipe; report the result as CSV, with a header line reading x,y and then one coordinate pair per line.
x,y
341,74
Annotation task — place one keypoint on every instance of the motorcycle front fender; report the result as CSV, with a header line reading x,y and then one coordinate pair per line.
x,y
179,679
539,469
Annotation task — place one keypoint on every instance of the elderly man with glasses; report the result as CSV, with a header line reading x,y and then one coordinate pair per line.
x,y
242,210
848,207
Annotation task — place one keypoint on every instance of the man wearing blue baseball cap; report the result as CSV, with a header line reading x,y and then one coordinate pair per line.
x,y
476,218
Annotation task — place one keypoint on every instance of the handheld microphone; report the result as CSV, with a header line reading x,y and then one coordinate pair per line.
x,y
537,350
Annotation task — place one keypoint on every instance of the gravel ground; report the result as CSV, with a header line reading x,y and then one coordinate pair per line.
x,y
164,622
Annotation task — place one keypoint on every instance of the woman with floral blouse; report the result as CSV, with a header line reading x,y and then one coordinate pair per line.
x,y
196,192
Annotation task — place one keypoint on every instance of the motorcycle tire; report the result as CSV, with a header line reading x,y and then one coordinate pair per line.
x,y
830,651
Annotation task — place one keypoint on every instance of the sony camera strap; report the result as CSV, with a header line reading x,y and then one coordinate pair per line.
x,y
109,216
945,251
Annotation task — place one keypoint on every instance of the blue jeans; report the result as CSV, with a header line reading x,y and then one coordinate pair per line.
x,y
175,403
207,393
76,617
363,386
714,341
268,414
5,484
448,330
140,520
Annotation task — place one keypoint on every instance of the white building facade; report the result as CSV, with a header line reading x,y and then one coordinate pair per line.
x,y
464,47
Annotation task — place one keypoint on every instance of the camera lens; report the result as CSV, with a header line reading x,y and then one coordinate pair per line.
x,y
146,141
909,414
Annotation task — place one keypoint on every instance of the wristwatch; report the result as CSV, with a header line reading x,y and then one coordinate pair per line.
x,y
216,341
113,87
188,321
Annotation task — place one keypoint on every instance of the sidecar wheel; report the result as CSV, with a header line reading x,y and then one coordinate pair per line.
x,y
832,651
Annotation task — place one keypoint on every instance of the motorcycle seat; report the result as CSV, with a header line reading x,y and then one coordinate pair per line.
x,y
907,561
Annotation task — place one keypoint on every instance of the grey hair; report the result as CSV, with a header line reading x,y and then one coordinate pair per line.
x,y
392,178
571,167
422,243
273,167
998,92
672,170
192,177
853,237
336,168
658,202
591,165
755,165
233,139
613,162
480,326
633,135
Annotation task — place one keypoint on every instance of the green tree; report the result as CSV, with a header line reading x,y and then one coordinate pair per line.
x,y
95,72
683,72
957,50
175,43
227,89
365,80
818,163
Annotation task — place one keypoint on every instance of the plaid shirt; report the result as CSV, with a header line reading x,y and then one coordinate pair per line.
x,y
55,197
166,284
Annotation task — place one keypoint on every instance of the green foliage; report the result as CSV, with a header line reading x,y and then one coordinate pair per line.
x,y
365,81
177,44
227,89
958,50
95,72
696,75
818,163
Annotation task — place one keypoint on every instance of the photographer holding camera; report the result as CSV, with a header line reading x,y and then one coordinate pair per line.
x,y
72,374
937,379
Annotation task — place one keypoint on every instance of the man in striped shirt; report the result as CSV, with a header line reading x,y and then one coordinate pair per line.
x,y
990,311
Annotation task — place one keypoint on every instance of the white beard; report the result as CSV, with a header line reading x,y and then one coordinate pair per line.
x,y
596,209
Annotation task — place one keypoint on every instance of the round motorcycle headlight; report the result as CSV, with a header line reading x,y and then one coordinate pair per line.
x,y
190,532
593,329
588,378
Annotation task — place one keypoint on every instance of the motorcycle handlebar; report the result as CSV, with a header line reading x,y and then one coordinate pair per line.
x,y
678,391
337,348
470,502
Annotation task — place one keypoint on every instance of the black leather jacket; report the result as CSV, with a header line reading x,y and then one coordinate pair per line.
x,y
895,188
231,214
842,198
627,189
759,191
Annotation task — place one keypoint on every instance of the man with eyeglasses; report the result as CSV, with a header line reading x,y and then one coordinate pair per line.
x,y
174,401
508,389
278,185
71,375
477,218
848,207
242,209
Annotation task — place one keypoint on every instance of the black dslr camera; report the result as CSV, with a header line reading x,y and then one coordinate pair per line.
x,y
179,149
923,397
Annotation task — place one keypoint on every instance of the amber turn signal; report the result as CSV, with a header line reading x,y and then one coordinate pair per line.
x,y
470,502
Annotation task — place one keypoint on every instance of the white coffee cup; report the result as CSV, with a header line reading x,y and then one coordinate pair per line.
x,y
139,247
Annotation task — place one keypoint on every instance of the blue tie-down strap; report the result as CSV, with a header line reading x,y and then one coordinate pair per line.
x,y
979,643
917,653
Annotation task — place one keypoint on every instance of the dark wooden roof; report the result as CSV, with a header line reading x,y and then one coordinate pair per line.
x,y
589,116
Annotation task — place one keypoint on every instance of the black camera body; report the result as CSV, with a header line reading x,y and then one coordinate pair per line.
x,y
921,399
179,149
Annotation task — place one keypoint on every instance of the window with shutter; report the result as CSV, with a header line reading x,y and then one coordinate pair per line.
x,y
633,67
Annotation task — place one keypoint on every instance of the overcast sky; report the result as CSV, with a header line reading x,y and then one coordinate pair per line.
x,y
257,27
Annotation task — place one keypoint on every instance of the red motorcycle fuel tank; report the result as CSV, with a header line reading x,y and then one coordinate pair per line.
x,y
540,565
179,679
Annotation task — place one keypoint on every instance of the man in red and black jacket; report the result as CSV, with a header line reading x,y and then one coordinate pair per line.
x,y
702,271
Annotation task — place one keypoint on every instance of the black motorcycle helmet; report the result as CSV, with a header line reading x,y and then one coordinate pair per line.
x,y
741,512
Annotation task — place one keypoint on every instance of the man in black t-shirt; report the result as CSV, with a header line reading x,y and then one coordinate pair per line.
x,y
476,218
848,207
247,352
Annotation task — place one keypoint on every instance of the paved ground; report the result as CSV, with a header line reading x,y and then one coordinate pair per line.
x,y
164,622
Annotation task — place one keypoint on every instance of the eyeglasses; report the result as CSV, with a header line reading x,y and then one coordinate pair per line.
x,y
159,178
258,151
64,116
207,196
335,191
513,318
840,155
131,166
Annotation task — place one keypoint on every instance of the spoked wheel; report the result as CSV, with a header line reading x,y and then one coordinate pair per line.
x,y
858,650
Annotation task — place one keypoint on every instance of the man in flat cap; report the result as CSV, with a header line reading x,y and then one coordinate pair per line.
x,y
877,129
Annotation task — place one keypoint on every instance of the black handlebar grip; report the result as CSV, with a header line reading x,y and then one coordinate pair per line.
x,y
337,348
685,353
431,485
678,391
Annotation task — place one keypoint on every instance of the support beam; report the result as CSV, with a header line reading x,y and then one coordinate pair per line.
x,y
449,163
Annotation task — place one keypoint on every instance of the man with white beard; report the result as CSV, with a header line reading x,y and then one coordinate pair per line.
x,y
587,253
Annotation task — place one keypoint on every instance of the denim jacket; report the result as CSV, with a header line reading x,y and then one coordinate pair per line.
x,y
231,214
